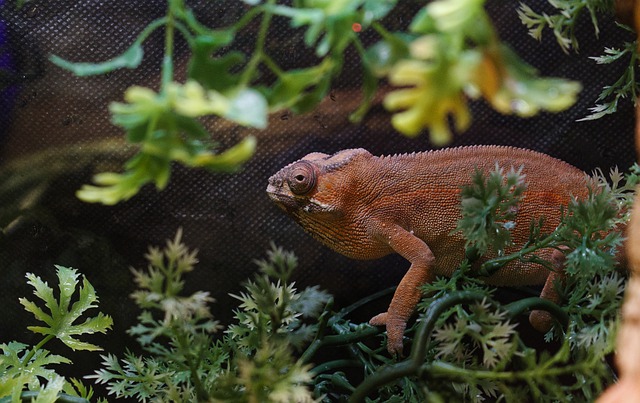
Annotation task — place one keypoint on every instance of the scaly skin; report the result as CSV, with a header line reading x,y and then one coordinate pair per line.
x,y
366,207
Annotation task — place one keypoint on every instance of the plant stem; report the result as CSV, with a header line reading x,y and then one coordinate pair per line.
x,y
364,301
349,338
317,340
338,340
186,34
167,61
332,365
258,54
150,28
272,65
448,370
37,347
491,266
248,16
414,364
518,307
381,30
437,308
183,343
33,395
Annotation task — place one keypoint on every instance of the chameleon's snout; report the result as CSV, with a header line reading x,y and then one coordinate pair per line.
x,y
275,181
274,187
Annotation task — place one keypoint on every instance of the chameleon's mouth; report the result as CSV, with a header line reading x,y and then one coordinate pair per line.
x,y
276,194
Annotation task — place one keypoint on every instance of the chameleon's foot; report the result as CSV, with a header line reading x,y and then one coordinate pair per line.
x,y
395,331
541,320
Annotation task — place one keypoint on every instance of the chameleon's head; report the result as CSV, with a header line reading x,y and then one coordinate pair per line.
x,y
314,184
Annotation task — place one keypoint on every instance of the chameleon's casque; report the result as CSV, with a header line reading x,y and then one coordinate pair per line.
x,y
366,207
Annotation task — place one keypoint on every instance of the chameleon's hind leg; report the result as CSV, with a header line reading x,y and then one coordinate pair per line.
x,y
543,320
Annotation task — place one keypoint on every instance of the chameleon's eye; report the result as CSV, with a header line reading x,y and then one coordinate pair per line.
x,y
302,178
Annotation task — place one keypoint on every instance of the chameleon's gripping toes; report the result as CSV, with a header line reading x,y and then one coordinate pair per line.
x,y
366,207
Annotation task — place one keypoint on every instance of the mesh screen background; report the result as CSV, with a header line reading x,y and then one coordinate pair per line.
x,y
228,218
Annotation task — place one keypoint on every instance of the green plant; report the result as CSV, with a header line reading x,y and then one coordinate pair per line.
x,y
455,53
25,370
449,53
466,346
253,361
563,24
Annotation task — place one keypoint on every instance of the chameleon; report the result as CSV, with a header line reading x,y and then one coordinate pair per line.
x,y
366,207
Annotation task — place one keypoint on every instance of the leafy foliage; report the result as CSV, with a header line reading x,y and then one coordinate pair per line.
x,y
481,328
563,24
456,52
466,346
23,366
489,209
269,309
157,122
16,373
626,86
253,362
62,317
450,52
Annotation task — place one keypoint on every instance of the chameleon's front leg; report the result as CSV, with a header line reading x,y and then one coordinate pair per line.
x,y
408,293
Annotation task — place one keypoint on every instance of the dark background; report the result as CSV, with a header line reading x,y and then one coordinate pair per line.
x,y
228,218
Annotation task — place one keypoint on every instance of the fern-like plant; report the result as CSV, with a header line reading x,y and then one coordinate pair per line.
x,y
186,362
25,371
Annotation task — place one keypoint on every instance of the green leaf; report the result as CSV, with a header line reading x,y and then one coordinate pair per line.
x,y
190,126
611,55
600,110
49,393
67,282
248,107
369,89
61,319
377,9
487,208
382,56
627,86
137,377
45,293
290,87
75,387
333,18
15,374
214,72
527,93
423,22
312,98
230,159
136,134
131,59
